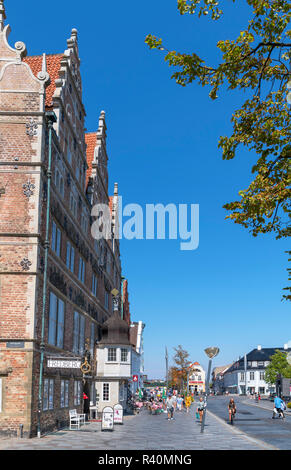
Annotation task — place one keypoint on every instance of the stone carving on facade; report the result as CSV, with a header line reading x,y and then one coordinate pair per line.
x,y
31,127
28,189
25,264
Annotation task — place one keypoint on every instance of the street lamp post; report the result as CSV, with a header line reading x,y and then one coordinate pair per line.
x,y
211,353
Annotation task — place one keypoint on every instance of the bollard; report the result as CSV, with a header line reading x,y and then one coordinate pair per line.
x,y
21,431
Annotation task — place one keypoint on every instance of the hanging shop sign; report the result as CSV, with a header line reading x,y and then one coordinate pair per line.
x,y
118,414
64,363
107,419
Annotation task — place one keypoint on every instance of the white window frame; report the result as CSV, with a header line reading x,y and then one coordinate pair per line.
x,y
121,357
107,392
108,355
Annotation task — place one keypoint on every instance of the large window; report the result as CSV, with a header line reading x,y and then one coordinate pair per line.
x,y
77,392
262,375
70,261
252,376
92,339
84,220
242,376
56,239
79,333
81,272
64,394
106,392
59,181
73,204
111,355
48,394
94,285
56,321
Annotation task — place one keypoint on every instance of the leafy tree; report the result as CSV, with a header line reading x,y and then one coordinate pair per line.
x,y
278,365
181,361
256,61
174,377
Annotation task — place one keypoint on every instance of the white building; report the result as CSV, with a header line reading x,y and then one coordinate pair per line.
x,y
236,379
196,378
114,364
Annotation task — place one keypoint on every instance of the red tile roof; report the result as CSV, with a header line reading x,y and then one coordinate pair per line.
x,y
91,140
53,67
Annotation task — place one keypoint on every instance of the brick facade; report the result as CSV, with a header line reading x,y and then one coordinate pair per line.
x,y
80,271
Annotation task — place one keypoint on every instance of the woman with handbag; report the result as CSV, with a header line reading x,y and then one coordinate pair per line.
x,y
200,409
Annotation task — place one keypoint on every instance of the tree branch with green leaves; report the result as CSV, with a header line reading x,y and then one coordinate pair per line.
x,y
256,62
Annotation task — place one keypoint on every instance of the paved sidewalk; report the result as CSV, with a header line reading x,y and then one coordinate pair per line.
x,y
145,432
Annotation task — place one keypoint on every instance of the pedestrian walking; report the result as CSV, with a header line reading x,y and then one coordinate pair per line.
x,y
200,408
170,407
188,401
179,403
174,397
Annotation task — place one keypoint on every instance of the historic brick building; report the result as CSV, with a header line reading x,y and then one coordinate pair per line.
x,y
55,278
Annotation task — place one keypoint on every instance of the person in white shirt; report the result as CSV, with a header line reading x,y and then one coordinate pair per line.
x,y
170,407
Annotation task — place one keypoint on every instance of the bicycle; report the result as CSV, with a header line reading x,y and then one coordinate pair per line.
x,y
232,416
279,413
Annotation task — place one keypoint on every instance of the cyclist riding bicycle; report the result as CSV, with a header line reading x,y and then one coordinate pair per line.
x,y
279,407
231,409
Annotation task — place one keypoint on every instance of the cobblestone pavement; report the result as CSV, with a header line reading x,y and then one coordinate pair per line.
x,y
145,431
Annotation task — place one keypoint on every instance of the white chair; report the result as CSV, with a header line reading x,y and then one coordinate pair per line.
x,y
74,419
82,417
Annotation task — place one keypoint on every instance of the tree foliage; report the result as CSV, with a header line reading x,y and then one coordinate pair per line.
x,y
277,366
181,360
257,61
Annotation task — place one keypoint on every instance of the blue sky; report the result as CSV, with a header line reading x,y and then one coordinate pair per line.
x,y
162,145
